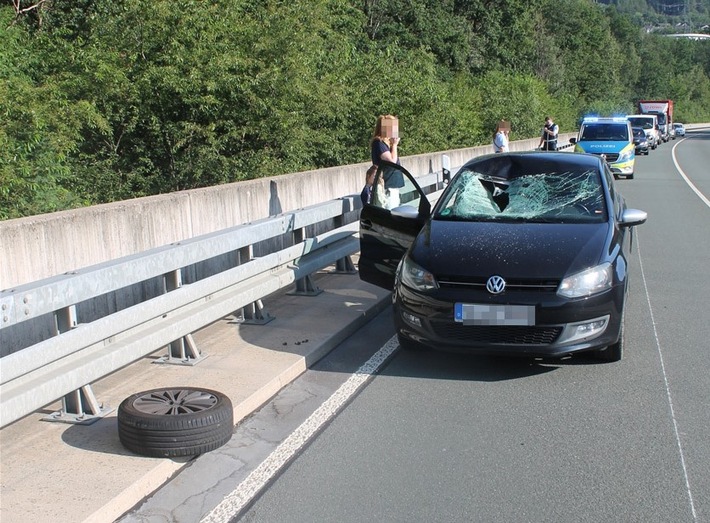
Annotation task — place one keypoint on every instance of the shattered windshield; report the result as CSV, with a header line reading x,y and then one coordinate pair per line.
x,y
550,197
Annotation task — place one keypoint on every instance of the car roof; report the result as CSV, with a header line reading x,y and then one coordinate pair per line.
x,y
604,120
512,165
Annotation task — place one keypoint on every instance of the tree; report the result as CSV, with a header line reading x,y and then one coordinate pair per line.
x,y
38,133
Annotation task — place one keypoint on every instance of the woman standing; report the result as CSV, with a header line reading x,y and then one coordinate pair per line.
x,y
383,147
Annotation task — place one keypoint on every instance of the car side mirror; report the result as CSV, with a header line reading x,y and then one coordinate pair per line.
x,y
631,217
573,141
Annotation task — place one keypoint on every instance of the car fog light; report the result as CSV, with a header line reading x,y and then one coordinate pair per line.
x,y
583,330
411,319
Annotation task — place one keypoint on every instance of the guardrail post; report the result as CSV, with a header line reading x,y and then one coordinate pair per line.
x,y
445,170
80,406
183,351
304,286
343,265
254,313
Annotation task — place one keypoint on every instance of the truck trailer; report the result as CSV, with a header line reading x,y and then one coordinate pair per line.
x,y
663,109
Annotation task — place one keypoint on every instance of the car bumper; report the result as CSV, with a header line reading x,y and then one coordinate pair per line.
x,y
430,321
622,167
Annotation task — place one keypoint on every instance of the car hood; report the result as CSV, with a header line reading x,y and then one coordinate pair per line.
x,y
512,250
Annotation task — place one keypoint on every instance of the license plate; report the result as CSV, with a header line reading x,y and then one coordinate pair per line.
x,y
479,314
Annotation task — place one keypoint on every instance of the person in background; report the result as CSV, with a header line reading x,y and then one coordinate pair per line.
x,y
366,194
383,147
500,138
548,140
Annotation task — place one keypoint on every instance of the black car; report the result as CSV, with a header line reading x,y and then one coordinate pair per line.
x,y
523,254
640,140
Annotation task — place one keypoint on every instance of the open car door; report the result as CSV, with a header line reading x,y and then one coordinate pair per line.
x,y
389,223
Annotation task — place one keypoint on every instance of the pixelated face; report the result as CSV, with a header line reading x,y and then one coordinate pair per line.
x,y
390,128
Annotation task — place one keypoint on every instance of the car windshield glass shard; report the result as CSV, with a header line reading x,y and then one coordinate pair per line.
x,y
550,198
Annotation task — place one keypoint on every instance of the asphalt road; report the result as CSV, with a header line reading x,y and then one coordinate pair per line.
x,y
424,436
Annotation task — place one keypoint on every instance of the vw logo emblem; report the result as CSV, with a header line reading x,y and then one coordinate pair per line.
x,y
495,284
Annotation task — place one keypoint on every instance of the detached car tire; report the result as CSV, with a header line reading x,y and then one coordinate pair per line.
x,y
175,421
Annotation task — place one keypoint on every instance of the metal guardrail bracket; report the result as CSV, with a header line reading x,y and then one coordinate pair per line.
x,y
80,408
254,314
345,266
305,287
182,352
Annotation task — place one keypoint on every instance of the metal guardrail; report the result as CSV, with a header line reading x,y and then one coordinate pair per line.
x,y
63,366
82,353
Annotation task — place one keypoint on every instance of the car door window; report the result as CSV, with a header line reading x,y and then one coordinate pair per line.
x,y
392,189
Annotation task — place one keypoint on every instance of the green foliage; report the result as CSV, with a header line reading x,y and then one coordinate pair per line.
x,y
39,130
104,101
666,15
592,59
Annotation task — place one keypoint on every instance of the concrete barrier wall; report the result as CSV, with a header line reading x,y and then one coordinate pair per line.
x,y
42,246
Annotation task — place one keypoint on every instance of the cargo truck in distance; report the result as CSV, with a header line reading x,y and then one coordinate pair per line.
x,y
663,109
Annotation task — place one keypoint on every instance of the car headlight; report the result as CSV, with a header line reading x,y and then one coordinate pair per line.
x,y
588,282
625,156
412,275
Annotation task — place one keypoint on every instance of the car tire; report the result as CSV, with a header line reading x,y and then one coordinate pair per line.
x,y
615,351
175,421
409,345
630,176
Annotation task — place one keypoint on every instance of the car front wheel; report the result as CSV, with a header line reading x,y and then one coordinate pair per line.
x,y
615,351
409,345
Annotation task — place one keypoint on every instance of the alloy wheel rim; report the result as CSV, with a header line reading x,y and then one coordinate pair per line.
x,y
171,402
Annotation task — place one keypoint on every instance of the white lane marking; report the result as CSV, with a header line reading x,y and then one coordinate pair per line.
x,y
668,387
687,180
236,500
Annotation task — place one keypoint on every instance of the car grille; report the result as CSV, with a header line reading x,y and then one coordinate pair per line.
x,y
497,335
547,286
610,157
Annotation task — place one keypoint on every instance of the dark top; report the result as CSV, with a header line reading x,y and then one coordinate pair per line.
x,y
393,179
377,149
550,142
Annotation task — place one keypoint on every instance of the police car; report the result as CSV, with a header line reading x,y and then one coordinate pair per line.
x,y
610,137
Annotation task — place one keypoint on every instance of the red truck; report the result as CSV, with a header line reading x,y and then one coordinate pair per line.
x,y
664,110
